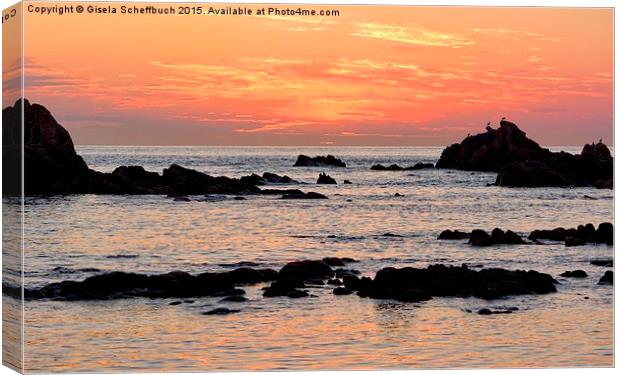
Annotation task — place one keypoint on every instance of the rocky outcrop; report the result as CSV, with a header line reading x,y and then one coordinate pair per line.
x,y
577,274
51,165
521,162
294,276
479,237
267,178
396,167
419,284
602,262
581,235
176,284
325,179
607,278
308,195
319,161
405,284
453,235
50,160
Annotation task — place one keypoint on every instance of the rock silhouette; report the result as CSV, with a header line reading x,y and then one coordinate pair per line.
x,y
396,167
51,165
176,284
453,235
607,278
419,284
267,178
581,235
319,161
325,179
578,274
479,237
521,162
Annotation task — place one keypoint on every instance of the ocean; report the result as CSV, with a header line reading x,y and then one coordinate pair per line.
x,y
73,237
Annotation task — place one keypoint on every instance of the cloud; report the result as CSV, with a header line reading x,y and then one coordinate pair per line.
x,y
413,34
516,34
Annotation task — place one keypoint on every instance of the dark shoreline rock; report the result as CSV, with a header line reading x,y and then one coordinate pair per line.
x,y
607,278
581,235
578,274
396,167
602,262
325,179
418,284
453,235
406,284
319,161
51,165
521,162
177,284
267,178
479,237
308,195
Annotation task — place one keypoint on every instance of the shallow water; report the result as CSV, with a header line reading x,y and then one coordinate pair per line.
x,y
68,237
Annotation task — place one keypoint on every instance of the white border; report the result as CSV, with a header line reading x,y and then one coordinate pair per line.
x,y
565,3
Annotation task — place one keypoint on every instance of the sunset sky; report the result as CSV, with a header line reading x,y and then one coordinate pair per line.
x,y
372,76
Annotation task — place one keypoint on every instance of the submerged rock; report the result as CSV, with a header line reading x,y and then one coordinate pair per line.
x,y
235,299
602,262
393,167
340,291
281,192
308,195
396,167
267,178
220,311
325,179
486,311
578,274
319,161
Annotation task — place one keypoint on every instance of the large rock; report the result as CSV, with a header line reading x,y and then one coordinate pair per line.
x,y
521,162
325,179
581,235
492,150
607,278
396,167
418,284
188,181
50,160
176,284
267,178
453,235
306,269
308,195
478,237
51,165
319,161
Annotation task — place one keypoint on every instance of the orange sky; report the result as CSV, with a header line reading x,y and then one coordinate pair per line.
x,y
375,75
